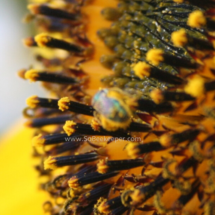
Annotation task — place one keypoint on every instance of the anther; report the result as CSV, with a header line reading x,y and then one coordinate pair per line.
x,y
181,38
142,69
159,96
44,40
141,194
66,104
54,12
135,149
38,140
197,86
41,140
55,162
156,56
35,101
90,178
71,127
184,199
106,206
168,140
61,181
196,19
35,75
106,165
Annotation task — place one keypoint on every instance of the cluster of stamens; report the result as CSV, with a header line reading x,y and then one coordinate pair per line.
x,y
157,108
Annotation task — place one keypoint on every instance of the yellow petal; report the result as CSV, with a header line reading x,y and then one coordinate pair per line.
x,y
18,180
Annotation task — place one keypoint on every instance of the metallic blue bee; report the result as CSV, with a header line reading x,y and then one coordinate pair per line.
x,y
114,108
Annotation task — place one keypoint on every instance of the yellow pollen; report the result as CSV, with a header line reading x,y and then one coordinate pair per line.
x,y
157,96
69,127
102,166
196,19
38,140
42,39
132,150
137,197
155,56
142,69
103,207
179,38
63,103
32,75
34,8
166,140
50,163
73,182
32,101
195,87
95,125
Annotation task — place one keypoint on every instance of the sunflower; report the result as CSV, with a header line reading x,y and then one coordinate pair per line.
x,y
128,126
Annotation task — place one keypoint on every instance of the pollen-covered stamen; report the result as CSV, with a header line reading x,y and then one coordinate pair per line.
x,y
73,194
39,122
44,40
36,75
92,195
55,162
151,107
38,140
142,69
66,104
90,178
181,38
53,12
106,165
143,193
35,101
134,149
139,195
63,104
41,140
71,127
197,19
168,140
106,206
156,56
184,199
159,96
60,182
71,207
198,86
